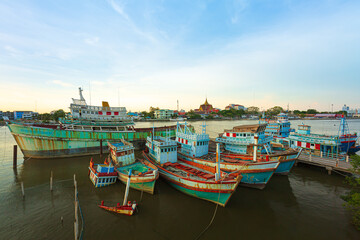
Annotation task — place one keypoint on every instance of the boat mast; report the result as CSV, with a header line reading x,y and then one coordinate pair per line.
x,y
127,188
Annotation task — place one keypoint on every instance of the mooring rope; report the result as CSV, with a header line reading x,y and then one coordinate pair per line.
x,y
213,217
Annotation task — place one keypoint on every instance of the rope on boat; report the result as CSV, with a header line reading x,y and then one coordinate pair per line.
x,y
213,217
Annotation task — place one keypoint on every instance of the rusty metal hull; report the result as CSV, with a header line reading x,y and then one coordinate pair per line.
x,y
41,142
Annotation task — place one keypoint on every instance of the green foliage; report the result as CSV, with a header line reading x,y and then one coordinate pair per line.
x,y
274,111
192,115
150,114
58,114
252,110
45,117
352,198
311,111
342,112
232,113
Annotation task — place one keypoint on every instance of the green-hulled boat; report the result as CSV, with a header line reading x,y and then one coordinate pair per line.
x,y
143,174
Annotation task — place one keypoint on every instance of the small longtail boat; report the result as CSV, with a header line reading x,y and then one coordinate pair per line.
x,y
127,208
102,175
195,150
144,174
199,181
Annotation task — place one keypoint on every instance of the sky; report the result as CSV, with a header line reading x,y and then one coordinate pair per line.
x,y
137,54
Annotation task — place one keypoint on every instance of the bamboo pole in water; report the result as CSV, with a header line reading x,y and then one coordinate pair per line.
x,y
15,157
22,189
51,181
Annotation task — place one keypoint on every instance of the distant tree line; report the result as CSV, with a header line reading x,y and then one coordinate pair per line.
x,y
47,117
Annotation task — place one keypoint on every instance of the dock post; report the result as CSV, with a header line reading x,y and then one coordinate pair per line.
x,y
101,147
51,181
22,189
347,158
15,157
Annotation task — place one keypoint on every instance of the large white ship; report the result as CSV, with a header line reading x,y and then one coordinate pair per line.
x,y
82,111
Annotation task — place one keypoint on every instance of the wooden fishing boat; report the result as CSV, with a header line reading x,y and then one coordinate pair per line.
x,y
243,143
102,175
127,208
195,150
144,174
200,181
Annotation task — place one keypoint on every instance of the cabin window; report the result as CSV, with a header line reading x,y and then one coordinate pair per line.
x,y
312,145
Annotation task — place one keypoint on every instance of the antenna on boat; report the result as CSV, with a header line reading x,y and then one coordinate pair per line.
x,y
177,106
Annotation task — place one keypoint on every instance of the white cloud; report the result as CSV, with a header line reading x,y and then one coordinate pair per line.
x,y
62,83
92,41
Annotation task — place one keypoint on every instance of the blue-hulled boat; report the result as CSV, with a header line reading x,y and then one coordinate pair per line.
x,y
195,149
204,182
243,141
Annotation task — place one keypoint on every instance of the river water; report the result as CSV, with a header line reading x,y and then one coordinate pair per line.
x,y
304,205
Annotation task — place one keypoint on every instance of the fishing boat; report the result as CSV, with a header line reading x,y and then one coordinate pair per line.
x,y
327,146
102,175
197,180
127,208
279,128
195,149
243,141
84,132
144,174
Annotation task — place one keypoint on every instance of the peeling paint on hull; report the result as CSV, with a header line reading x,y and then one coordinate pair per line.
x,y
38,142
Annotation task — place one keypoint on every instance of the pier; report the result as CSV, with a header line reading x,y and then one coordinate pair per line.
x,y
330,164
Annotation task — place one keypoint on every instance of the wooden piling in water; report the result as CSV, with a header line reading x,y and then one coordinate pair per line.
x,y
22,189
51,181
15,156
101,147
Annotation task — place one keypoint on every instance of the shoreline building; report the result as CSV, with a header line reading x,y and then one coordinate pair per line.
x,y
235,106
206,108
163,113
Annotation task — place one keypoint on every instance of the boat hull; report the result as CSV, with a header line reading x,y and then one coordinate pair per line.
x,y
285,167
255,175
40,142
121,210
216,192
146,184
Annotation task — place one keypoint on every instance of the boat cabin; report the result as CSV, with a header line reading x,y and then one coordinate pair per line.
x,y
192,144
162,149
102,175
241,139
279,128
304,129
122,153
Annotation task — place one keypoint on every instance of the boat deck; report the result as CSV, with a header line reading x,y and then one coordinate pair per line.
x,y
136,168
186,170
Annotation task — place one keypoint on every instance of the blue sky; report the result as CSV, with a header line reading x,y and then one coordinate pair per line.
x,y
152,53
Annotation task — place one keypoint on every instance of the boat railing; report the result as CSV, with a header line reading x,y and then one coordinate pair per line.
x,y
327,155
